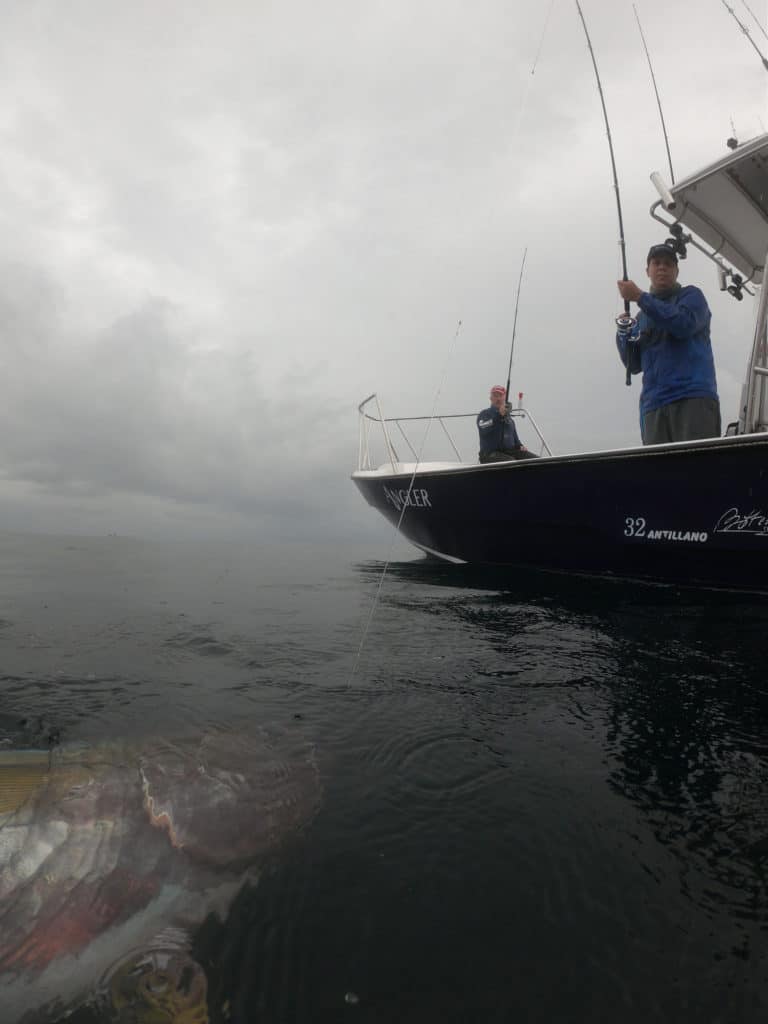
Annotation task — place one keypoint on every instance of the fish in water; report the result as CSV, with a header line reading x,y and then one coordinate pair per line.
x,y
103,847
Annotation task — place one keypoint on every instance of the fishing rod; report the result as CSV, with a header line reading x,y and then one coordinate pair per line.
x,y
746,32
755,18
512,347
514,323
678,240
625,323
656,91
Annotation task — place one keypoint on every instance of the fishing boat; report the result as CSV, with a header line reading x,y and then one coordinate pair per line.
x,y
692,511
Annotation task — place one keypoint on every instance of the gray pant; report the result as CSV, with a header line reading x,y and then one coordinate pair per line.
x,y
690,419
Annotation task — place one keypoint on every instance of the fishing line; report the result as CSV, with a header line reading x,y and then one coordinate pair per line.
x,y
656,91
625,323
524,100
543,33
746,32
395,532
516,133
515,136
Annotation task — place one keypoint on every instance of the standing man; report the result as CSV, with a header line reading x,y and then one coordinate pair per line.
x,y
499,441
671,346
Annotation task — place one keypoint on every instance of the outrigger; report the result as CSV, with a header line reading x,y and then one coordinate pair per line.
x,y
692,511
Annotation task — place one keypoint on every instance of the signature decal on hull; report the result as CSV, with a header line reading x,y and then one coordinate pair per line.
x,y
733,521
415,497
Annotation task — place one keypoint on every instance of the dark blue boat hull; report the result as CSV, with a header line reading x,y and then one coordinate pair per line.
x,y
686,513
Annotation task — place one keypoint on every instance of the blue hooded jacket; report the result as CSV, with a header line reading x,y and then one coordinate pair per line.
x,y
672,348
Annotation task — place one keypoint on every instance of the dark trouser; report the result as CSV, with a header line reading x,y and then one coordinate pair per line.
x,y
507,454
690,419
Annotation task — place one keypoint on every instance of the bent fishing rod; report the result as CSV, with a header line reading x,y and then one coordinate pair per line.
x,y
625,324
514,322
512,346
656,92
755,19
746,31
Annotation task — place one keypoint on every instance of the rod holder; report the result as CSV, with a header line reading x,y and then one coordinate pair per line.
x,y
668,200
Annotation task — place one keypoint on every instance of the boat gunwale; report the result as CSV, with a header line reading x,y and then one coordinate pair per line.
x,y
715,444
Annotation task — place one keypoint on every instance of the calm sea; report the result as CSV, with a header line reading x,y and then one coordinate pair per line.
x,y
538,798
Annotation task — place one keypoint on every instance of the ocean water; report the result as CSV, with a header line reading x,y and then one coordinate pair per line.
x,y
529,798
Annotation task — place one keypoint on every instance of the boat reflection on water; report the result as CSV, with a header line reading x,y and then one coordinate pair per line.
x,y
666,688
112,855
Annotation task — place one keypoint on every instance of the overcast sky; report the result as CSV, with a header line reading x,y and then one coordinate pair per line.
x,y
224,224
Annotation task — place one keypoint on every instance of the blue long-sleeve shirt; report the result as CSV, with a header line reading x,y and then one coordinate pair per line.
x,y
671,346
496,432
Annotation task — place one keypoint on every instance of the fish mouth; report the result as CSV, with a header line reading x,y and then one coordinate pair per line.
x,y
159,816
225,800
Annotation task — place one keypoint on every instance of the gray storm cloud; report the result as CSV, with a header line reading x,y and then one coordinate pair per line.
x,y
221,229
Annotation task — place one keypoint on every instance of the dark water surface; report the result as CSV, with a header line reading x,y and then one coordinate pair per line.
x,y
538,798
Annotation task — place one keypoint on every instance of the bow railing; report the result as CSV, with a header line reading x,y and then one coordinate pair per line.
x,y
461,437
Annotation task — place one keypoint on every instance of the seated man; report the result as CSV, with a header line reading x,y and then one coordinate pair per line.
x,y
498,435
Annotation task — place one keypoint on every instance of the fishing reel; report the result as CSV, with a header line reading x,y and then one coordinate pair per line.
x,y
625,324
736,288
678,240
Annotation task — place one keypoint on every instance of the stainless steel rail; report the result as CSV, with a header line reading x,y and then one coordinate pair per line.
x,y
366,420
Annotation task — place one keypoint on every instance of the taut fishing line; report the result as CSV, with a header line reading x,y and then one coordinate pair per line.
x,y
524,100
396,530
372,611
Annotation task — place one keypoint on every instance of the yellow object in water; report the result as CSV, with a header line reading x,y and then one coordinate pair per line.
x,y
23,773
159,987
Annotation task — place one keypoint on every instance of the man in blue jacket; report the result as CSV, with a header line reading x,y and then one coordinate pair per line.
x,y
672,348
499,440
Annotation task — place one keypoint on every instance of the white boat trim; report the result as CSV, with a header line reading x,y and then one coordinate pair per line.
x,y
439,554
